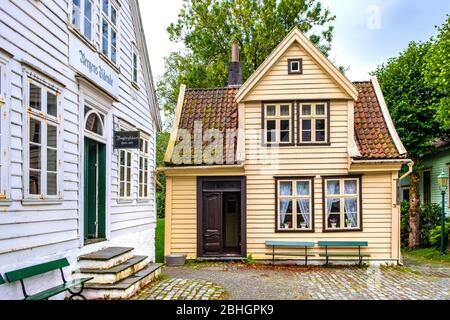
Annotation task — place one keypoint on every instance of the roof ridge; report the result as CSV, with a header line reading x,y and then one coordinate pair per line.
x,y
212,89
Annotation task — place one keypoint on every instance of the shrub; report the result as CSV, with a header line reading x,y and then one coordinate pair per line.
x,y
435,235
160,203
429,219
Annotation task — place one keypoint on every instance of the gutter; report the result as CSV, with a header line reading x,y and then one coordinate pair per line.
x,y
231,166
405,161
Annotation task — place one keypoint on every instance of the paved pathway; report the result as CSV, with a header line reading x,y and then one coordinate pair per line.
x,y
393,283
181,289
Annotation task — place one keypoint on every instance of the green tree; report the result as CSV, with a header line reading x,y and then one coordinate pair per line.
x,y
207,28
412,101
437,72
162,139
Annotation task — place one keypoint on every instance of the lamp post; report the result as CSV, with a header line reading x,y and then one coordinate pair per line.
x,y
443,185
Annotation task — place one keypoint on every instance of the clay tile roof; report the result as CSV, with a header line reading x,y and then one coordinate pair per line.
x,y
371,131
215,108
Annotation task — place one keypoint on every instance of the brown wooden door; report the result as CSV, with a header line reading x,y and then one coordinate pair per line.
x,y
212,223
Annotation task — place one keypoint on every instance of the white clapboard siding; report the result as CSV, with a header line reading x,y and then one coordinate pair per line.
x,y
36,33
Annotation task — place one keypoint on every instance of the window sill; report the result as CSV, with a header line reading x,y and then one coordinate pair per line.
x,y
5,202
81,36
143,200
313,144
275,144
43,202
124,200
135,85
343,230
295,231
106,59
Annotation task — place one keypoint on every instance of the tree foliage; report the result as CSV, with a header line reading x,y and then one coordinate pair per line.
x,y
437,73
162,139
207,29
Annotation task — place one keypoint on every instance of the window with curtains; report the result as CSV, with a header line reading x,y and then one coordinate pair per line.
x,y
342,204
108,29
144,158
294,200
125,178
278,123
313,123
43,134
82,17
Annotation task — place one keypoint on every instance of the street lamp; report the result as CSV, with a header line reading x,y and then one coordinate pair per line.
x,y
443,185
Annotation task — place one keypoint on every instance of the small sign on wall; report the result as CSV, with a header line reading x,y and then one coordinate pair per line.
x,y
126,139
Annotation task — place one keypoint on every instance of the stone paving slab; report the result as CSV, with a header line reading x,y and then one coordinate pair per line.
x,y
181,289
372,283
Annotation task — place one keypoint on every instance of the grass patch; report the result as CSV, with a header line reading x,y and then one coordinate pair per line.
x,y
427,256
159,241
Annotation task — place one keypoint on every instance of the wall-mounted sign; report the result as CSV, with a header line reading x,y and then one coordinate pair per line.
x,y
88,63
126,139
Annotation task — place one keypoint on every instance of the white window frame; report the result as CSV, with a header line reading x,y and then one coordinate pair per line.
x,y
5,89
125,126
313,117
106,16
134,65
342,196
278,118
144,156
81,27
46,120
293,198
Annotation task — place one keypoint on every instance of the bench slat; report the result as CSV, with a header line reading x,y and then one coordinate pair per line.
x,y
32,271
58,289
2,281
291,254
344,255
343,243
289,244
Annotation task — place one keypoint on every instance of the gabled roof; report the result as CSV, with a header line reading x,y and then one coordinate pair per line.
x,y
297,36
145,61
375,135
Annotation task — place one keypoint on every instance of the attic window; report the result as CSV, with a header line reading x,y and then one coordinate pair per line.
x,y
295,66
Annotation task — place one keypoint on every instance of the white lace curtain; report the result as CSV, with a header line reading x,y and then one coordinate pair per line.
x,y
285,190
303,204
351,204
333,187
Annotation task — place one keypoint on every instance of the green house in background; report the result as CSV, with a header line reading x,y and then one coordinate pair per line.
x,y
433,166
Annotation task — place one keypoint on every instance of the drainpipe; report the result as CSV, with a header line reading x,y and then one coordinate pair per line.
x,y
407,174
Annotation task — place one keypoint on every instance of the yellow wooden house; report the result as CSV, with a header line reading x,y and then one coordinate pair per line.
x,y
297,153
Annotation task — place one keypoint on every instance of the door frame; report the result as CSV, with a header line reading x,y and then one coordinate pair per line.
x,y
95,99
243,240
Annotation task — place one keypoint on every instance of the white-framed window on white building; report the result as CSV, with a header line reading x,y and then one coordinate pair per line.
x,y
108,29
125,174
134,64
42,141
144,159
4,149
82,13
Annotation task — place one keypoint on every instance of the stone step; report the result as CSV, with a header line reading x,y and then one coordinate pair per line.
x,y
105,259
116,273
125,288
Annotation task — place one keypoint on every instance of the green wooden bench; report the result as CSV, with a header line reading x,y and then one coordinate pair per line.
x,y
290,244
2,281
21,274
343,244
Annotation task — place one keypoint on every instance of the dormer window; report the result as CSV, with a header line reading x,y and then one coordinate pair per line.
x,y
278,123
295,66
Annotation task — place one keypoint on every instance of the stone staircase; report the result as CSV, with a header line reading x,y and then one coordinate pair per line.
x,y
117,273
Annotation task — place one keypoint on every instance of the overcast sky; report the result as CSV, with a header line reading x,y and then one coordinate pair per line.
x,y
367,32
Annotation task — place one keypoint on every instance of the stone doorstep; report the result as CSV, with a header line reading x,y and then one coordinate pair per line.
x,y
105,259
115,273
124,288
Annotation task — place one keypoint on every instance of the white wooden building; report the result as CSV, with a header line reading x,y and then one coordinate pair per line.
x,y
72,73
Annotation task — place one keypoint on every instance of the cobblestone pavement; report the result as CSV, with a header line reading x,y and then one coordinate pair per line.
x,y
344,283
181,289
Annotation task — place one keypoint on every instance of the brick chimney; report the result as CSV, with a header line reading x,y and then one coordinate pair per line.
x,y
234,68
